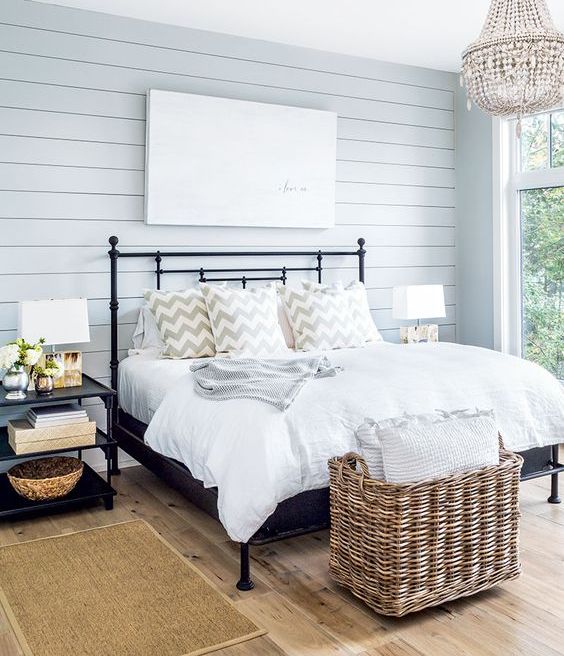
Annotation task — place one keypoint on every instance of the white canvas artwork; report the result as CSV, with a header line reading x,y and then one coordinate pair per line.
x,y
216,161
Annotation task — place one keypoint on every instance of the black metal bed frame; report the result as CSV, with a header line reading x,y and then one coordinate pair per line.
x,y
306,512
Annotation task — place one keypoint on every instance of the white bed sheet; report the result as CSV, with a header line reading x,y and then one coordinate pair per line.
x,y
258,456
144,379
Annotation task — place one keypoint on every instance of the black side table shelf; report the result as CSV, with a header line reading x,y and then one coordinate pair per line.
x,y
91,486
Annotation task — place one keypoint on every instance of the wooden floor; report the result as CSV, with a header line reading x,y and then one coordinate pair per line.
x,y
306,613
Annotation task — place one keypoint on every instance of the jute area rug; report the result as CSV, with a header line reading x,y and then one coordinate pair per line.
x,y
121,590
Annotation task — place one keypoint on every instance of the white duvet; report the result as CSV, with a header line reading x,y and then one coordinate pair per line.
x,y
258,456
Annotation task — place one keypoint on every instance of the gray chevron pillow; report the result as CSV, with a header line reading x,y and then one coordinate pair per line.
x,y
358,299
320,321
244,321
183,322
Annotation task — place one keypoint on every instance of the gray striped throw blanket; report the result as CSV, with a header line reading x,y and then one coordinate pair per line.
x,y
276,382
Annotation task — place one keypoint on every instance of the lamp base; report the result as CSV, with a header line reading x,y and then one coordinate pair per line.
x,y
420,333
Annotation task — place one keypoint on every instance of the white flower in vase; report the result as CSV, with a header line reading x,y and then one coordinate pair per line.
x,y
32,355
9,355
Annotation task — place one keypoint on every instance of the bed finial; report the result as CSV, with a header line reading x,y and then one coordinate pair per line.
x,y
113,241
361,252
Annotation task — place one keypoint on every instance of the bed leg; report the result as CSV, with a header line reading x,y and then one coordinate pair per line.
x,y
245,582
554,497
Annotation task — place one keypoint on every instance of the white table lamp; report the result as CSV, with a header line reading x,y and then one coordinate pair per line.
x,y
416,302
58,321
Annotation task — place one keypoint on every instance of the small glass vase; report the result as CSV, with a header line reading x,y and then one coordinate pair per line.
x,y
15,382
44,385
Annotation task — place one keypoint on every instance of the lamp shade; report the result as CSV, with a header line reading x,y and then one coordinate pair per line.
x,y
418,302
58,321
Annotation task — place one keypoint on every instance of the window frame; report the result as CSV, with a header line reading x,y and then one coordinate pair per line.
x,y
508,182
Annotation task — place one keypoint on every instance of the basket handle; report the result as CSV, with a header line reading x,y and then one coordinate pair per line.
x,y
500,439
350,460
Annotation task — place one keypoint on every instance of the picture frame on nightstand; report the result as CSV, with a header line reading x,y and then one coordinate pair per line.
x,y
71,363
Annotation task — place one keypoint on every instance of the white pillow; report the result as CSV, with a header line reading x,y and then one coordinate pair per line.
x,y
319,321
356,295
285,324
146,334
423,451
368,434
245,321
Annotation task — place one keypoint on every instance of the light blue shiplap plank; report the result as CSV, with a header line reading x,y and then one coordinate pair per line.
x,y
94,235
394,154
64,152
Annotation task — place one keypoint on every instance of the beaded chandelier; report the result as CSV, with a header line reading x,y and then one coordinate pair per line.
x,y
516,67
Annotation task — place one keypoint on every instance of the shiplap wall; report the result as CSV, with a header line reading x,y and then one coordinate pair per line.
x,y
72,131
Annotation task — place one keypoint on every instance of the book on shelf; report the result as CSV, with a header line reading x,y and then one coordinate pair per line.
x,y
57,421
63,410
57,415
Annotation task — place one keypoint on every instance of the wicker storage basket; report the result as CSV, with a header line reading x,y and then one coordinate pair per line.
x,y
46,478
402,548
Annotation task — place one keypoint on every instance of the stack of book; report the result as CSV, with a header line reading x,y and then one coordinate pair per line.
x,y
48,428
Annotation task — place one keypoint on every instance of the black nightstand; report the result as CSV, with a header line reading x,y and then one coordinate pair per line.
x,y
91,486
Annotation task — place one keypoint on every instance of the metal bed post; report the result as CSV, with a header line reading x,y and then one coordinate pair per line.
x,y
554,496
114,360
245,582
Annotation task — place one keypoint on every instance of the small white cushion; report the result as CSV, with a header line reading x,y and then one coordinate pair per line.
x,y
420,452
368,434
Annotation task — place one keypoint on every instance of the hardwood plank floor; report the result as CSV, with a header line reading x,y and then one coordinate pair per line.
x,y
307,614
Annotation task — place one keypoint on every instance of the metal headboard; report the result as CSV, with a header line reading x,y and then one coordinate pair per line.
x,y
202,273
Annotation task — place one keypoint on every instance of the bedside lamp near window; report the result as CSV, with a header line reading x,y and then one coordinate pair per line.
x,y
59,322
416,302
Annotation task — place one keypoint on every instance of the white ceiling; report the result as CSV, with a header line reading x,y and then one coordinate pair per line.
x,y
429,33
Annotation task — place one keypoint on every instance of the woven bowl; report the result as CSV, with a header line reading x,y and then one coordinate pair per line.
x,y
46,478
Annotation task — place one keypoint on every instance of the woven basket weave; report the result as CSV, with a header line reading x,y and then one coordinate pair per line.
x,y
46,478
402,548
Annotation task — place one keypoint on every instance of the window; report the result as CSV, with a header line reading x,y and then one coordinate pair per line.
x,y
542,274
532,238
